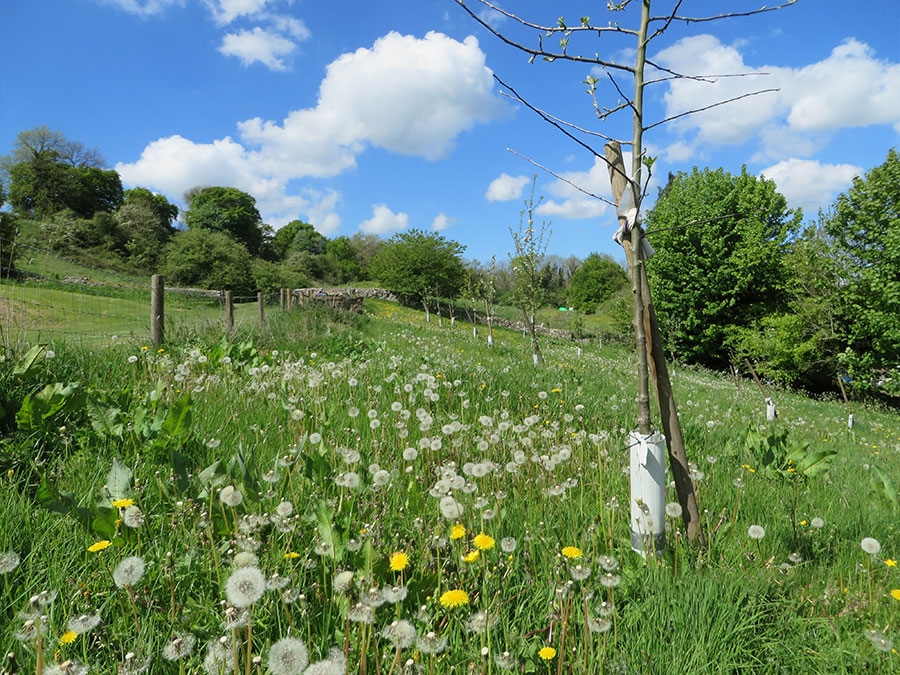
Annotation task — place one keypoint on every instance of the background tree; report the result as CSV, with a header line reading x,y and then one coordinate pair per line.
x,y
597,280
284,238
227,210
204,258
420,265
711,280
866,227
343,256
145,221
531,245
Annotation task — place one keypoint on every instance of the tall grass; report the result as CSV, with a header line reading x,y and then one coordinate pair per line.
x,y
351,439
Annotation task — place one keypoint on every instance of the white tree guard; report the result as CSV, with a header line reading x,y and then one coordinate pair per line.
x,y
648,492
771,413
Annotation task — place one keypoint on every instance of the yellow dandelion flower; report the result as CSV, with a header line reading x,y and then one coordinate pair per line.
x,y
572,552
68,637
291,555
458,531
398,561
547,653
454,598
895,594
122,503
483,542
99,545
890,562
471,556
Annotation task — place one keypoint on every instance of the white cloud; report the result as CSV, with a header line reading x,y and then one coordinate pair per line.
x,y
411,96
849,88
226,11
809,184
143,8
442,222
505,188
384,220
260,45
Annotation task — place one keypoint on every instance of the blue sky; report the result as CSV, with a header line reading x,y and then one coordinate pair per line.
x,y
379,116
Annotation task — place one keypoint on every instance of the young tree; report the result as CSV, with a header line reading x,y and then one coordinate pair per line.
x,y
204,258
420,266
530,245
628,185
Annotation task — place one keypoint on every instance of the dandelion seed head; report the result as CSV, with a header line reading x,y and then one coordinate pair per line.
x,y
508,544
673,510
879,640
129,571
9,561
756,532
871,546
817,523
133,517
401,633
179,647
288,656
230,496
245,586
83,623
431,643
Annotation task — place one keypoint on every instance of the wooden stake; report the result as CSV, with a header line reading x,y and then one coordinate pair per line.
x,y
668,409
229,310
261,301
157,310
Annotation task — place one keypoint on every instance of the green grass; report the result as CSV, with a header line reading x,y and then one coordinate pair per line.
x,y
247,407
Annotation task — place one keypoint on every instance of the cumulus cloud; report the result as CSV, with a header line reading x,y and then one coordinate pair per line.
x,y
258,44
441,222
849,88
408,95
809,184
505,188
384,220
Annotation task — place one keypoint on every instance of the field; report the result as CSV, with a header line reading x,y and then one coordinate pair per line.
x,y
396,497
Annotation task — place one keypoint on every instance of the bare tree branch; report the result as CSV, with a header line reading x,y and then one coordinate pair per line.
x,y
669,21
701,78
544,113
739,214
554,123
551,56
714,105
693,19
550,30
564,180
628,101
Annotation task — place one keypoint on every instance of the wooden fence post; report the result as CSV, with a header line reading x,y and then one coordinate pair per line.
x,y
281,298
229,310
157,309
261,301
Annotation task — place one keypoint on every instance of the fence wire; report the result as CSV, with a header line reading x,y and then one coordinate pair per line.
x,y
45,296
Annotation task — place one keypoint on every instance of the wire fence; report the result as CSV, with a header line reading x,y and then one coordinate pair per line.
x,y
45,296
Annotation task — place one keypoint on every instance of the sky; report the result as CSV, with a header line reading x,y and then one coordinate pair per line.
x,y
382,116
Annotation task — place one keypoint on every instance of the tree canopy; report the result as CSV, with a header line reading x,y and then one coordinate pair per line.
x,y
227,210
419,265
710,279
598,278
204,258
866,227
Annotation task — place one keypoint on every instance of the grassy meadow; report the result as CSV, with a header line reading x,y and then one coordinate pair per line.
x,y
377,494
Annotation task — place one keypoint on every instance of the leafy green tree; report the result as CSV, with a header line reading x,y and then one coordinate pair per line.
x,y
866,226
227,210
597,280
420,266
711,279
343,256
307,240
800,345
43,186
165,212
284,238
204,258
